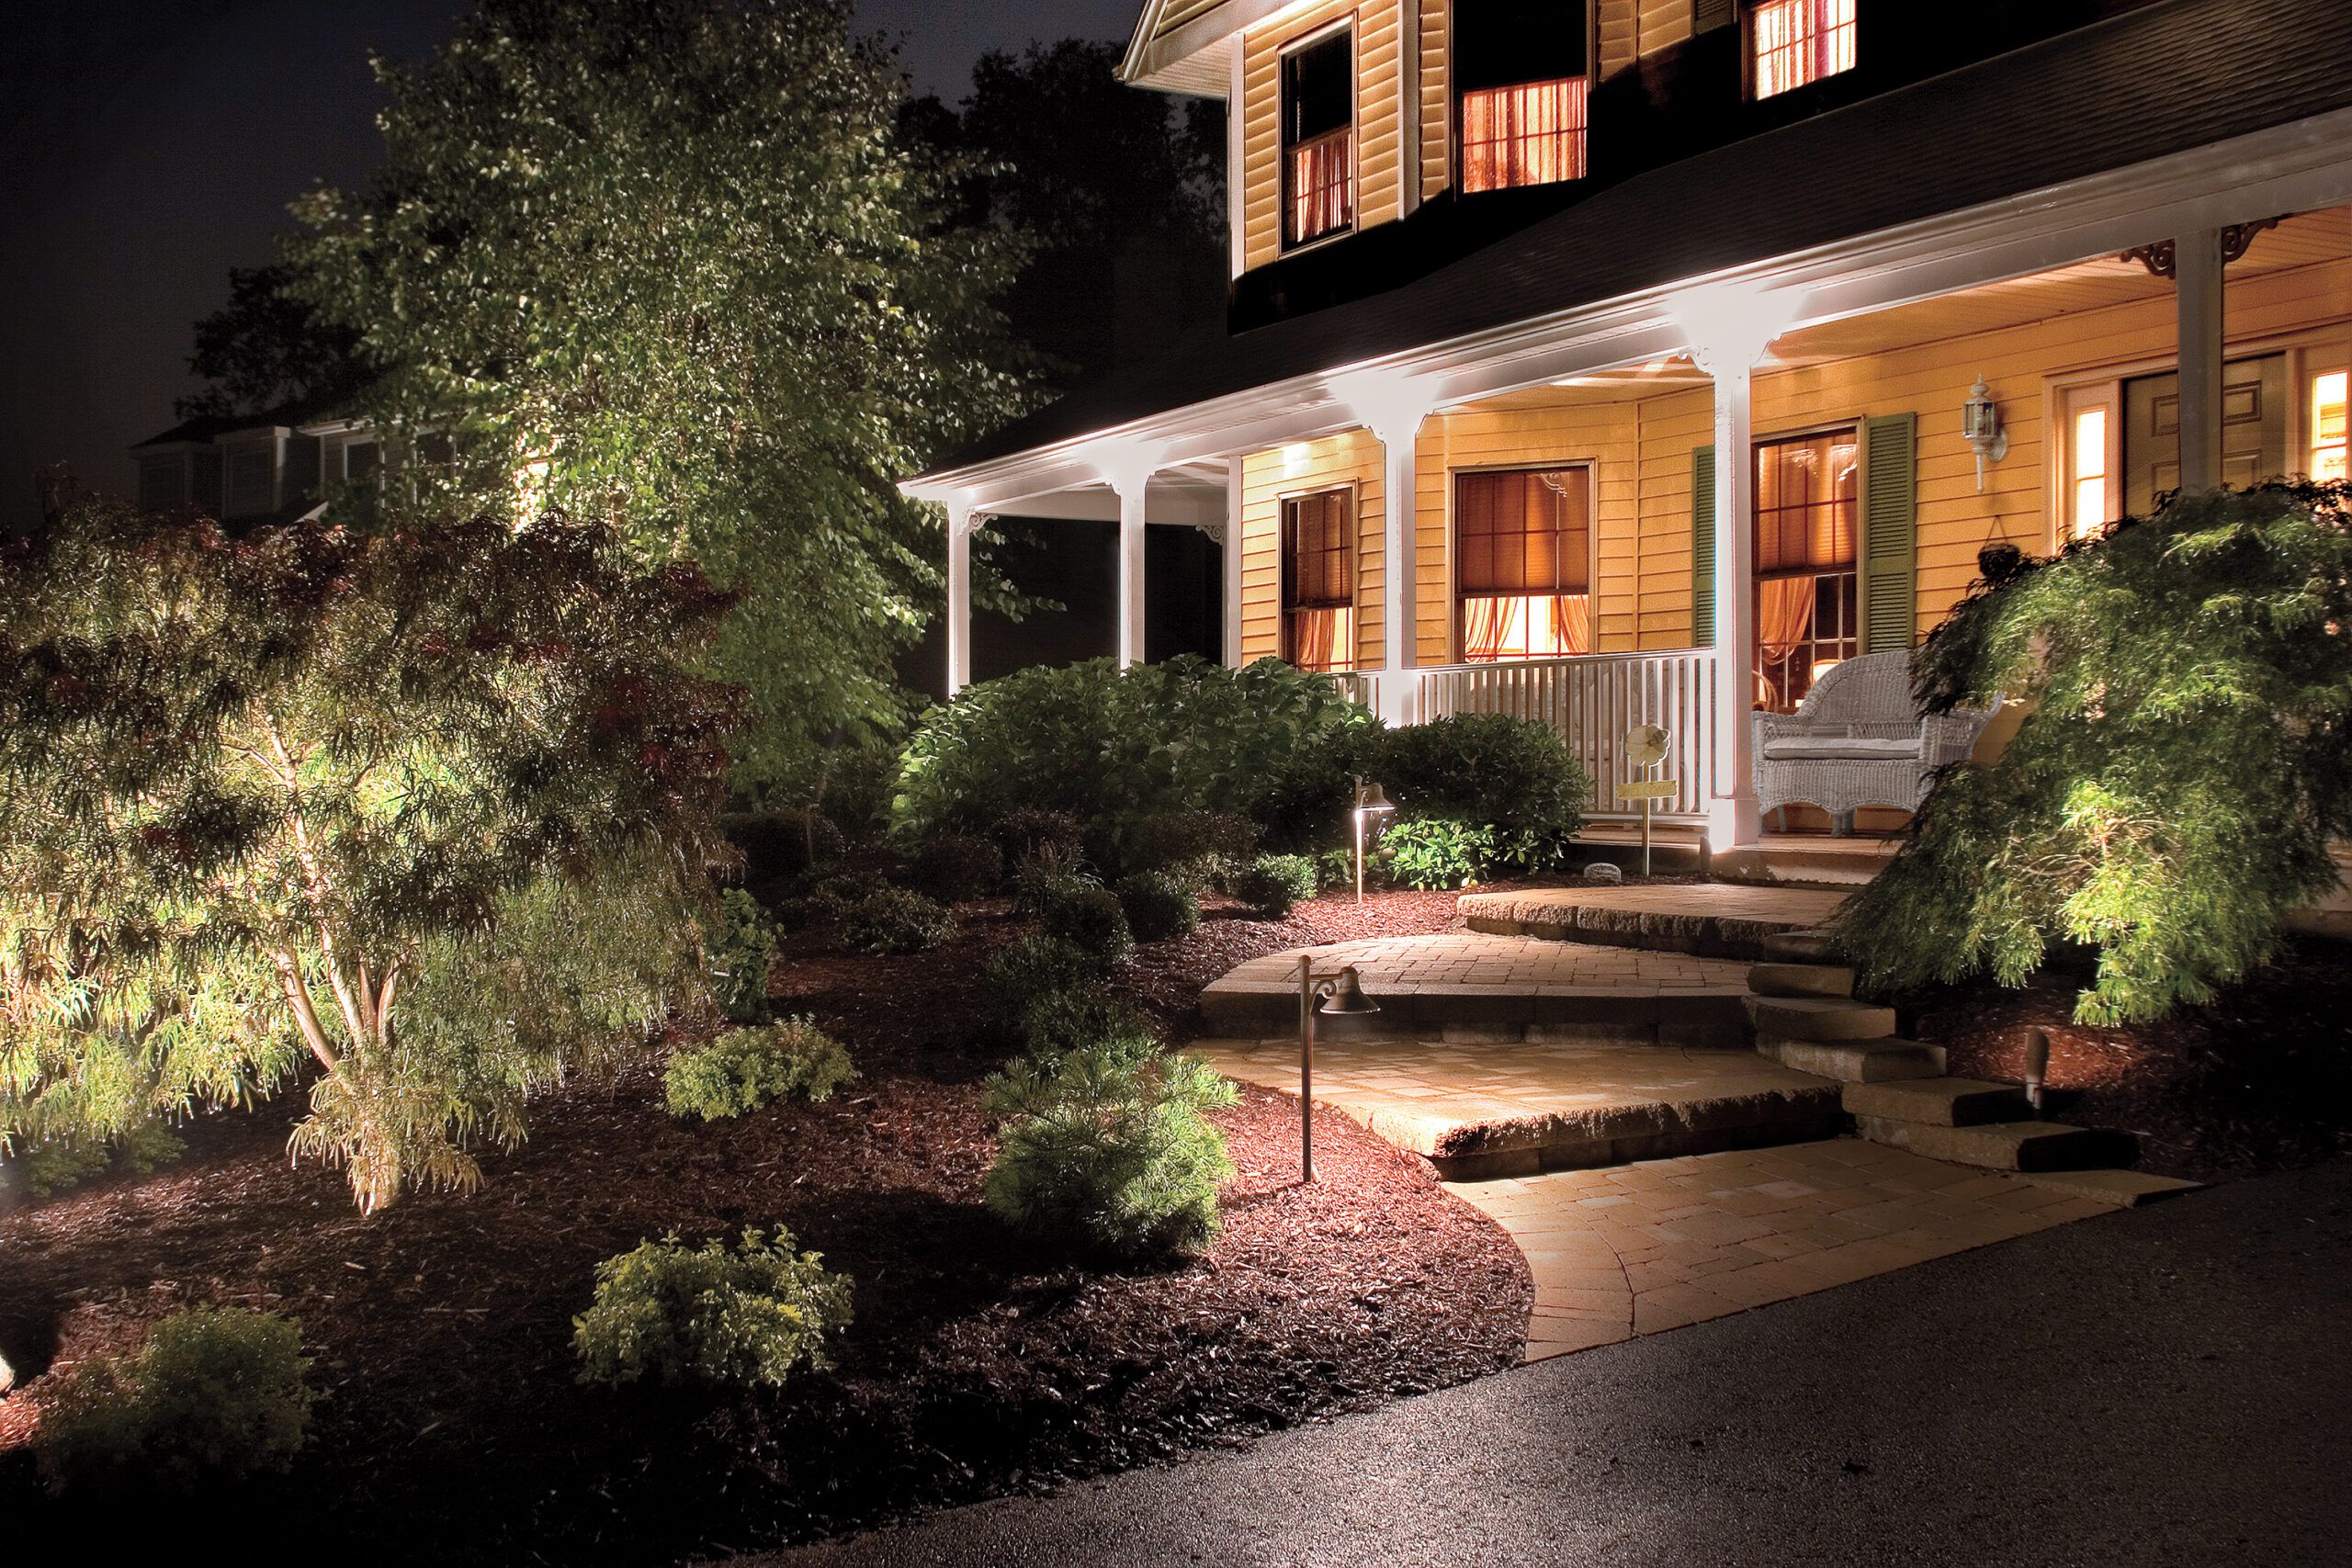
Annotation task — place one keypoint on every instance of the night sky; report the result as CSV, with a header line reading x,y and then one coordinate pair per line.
x,y
147,148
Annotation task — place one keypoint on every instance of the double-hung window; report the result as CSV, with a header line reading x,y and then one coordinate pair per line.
x,y
1524,572
1319,138
1319,579
1522,72
1795,42
1808,591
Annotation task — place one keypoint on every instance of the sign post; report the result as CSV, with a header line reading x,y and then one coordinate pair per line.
x,y
1645,748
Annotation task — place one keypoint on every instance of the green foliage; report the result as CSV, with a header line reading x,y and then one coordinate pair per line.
x,y
1196,847
1081,1016
741,958
1158,906
2185,760
896,919
1109,1149
957,867
1275,883
1512,775
1026,835
1073,908
1101,744
1435,852
215,1395
680,255
433,808
1021,973
782,847
745,1069
53,1168
746,1314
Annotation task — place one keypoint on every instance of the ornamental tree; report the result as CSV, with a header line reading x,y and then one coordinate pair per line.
x,y
2185,759
427,812
675,264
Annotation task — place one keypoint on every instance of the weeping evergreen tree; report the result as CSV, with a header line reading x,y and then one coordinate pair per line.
x,y
429,810
2185,759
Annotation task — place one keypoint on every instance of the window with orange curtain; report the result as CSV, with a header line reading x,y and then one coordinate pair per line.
x,y
1808,591
1796,42
1520,73
1319,137
1523,563
1320,581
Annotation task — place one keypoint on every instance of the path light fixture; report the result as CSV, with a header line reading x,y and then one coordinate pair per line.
x,y
2037,1067
1371,814
1340,995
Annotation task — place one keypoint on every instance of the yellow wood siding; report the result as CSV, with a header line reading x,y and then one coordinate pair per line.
x,y
1379,141
1267,478
1618,31
1658,23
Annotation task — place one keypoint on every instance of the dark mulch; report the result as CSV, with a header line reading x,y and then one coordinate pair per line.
x,y
453,1429
2259,1079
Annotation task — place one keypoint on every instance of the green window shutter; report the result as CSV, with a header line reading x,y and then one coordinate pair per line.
x,y
1889,533
1703,548
1706,15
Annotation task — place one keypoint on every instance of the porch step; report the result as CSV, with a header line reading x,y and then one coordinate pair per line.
x,y
2116,1188
1853,1061
2000,1146
1825,1018
1798,947
1941,1103
1801,980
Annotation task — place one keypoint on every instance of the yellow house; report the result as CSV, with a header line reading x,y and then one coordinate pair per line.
x,y
1636,361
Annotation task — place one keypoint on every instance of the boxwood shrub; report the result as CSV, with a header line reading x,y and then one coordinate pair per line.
x,y
746,1314
896,919
744,1069
1274,883
1158,906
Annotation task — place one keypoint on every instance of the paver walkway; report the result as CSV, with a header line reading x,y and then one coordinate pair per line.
x,y
1453,960
1644,1248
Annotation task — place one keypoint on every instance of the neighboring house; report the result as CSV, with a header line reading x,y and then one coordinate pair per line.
x,y
1668,319
267,468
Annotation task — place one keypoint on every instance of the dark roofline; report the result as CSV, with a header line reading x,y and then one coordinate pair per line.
x,y
2149,83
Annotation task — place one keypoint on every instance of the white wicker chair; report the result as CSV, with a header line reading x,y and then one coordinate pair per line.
x,y
1858,738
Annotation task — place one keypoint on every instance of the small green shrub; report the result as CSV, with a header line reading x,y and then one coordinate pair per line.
x,y
1275,883
956,868
53,1167
895,920
744,1069
1081,1016
748,1314
740,957
1437,852
1018,974
214,1395
1027,833
1191,845
1511,776
1077,909
1335,868
1109,1150
1158,906
780,848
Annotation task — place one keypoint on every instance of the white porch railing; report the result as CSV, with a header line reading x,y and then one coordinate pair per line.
x,y
1591,701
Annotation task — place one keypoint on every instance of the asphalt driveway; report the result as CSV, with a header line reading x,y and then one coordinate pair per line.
x,y
2169,1387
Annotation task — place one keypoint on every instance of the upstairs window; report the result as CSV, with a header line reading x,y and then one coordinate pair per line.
x,y
1524,582
1320,581
1319,138
1521,70
1796,42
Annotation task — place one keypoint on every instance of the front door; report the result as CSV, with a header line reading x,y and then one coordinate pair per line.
x,y
2254,430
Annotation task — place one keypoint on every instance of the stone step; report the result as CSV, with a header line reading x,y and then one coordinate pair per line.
x,y
1857,1061
1809,947
1999,1146
1819,1018
2116,1188
1943,1103
1799,980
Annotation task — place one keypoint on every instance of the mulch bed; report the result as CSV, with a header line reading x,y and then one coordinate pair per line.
x,y
2259,1080
453,1429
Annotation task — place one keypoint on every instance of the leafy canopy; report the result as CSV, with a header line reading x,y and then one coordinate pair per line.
x,y
428,809
669,265
2185,759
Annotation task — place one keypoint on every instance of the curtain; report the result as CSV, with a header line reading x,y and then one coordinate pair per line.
x,y
1784,624
1527,135
1322,639
1572,623
1486,625
1320,186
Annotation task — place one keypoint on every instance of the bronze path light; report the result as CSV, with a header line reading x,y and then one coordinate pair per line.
x,y
1341,994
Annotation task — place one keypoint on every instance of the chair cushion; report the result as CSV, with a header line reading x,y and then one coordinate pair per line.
x,y
1841,749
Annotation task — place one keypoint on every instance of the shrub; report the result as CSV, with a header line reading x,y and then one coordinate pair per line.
x,y
1028,833
1158,906
2185,759
1018,974
1275,883
740,957
1512,775
1192,845
748,1314
780,848
957,867
1100,743
214,1395
1109,1150
1076,1017
1438,852
894,920
744,1069
1075,909
53,1168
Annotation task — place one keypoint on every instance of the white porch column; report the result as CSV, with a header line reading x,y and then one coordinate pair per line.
x,y
1399,565
1230,540
2197,267
960,525
1131,484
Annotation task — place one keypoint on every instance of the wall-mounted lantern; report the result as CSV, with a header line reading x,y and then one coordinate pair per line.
x,y
1980,421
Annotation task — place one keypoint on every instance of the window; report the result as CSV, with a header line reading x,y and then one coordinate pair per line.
x,y
1319,138
163,483
1320,581
253,482
2088,491
1523,582
1796,42
359,459
1520,70
1807,588
2328,448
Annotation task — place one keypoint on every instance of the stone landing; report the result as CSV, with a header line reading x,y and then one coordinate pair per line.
x,y
1706,919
